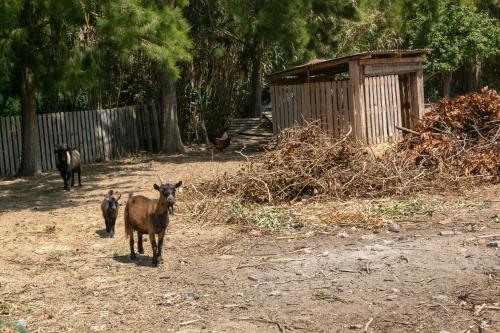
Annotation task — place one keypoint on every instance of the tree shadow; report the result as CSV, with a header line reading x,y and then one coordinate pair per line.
x,y
46,193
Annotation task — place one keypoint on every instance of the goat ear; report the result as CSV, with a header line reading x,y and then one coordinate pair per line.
x,y
156,187
178,184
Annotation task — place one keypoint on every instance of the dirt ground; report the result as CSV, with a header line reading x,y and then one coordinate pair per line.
x,y
61,273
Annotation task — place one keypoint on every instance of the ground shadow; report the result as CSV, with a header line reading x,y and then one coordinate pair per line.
x,y
102,233
141,260
46,193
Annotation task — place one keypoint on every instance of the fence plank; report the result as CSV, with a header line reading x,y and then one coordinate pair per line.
x,y
345,120
41,142
147,128
5,138
136,128
15,148
3,157
91,135
18,140
398,105
390,109
156,124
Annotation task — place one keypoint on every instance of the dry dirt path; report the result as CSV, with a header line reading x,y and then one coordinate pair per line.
x,y
59,273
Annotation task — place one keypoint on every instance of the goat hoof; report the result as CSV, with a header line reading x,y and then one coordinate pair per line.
x,y
133,256
141,251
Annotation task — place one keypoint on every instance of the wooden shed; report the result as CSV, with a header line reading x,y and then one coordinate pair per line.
x,y
370,93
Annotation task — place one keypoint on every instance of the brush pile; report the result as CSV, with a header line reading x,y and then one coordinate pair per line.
x,y
458,139
306,161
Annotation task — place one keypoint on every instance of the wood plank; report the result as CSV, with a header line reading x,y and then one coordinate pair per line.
x,y
390,60
106,136
46,139
335,109
300,99
90,136
283,108
417,96
18,140
373,111
384,108
5,143
98,135
273,109
289,95
147,127
294,100
92,133
398,105
41,139
328,108
324,106
367,111
345,108
376,108
133,116
82,128
390,105
3,158
140,127
156,123
15,148
388,69
356,74
307,102
49,139
128,131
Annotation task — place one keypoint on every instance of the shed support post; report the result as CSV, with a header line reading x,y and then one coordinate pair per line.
x,y
357,98
417,96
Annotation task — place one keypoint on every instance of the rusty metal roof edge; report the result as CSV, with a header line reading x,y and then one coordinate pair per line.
x,y
343,59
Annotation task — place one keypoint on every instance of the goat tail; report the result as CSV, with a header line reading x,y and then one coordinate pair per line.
x,y
128,228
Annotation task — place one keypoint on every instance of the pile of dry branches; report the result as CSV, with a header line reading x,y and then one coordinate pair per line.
x,y
306,161
458,138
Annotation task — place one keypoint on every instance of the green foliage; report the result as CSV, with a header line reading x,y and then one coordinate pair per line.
x,y
263,217
458,36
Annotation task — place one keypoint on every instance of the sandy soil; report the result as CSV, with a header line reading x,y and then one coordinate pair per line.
x,y
61,273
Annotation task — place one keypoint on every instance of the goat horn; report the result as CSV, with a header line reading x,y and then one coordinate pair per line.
x,y
161,180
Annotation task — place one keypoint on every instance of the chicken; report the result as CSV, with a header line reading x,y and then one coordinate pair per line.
x,y
222,143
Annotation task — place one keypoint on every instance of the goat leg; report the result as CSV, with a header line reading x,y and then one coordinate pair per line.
x,y
152,239
161,235
139,243
132,253
72,176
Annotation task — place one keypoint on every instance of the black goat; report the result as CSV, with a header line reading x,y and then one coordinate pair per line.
x,y
68,163
109,207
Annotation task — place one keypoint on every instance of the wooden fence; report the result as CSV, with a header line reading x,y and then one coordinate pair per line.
x,y
99,135
386,104
327,102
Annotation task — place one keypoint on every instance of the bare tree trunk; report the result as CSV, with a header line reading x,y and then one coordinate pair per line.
x,y
447,78
30,156
204,132
256,78
473,75
172,142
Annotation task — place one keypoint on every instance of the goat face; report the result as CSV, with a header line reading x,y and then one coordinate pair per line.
x,y
168,191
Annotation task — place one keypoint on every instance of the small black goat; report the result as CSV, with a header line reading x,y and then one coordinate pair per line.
x,y
109,207
148,216
68,163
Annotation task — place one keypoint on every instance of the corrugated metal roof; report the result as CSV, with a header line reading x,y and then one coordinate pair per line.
x,y
342,61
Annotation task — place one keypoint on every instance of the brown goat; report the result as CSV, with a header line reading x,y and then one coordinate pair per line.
x,y
149,216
